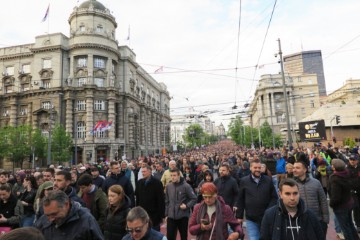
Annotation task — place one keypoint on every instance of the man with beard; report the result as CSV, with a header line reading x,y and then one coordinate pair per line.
x,y
227,187
62,182
257,193
64,219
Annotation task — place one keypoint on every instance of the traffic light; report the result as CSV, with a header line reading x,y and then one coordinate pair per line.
x,y
337,119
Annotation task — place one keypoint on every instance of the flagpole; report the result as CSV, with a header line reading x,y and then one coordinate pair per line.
x,y
48,19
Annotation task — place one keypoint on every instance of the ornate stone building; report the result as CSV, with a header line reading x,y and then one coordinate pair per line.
x,y
80,80
269,103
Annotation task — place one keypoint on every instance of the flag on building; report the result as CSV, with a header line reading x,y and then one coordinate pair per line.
x,y
46,14
101,126
159,70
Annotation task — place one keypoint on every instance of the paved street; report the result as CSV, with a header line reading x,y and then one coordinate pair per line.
x,y
331,234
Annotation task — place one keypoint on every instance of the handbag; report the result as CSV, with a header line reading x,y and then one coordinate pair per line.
x,y
4,230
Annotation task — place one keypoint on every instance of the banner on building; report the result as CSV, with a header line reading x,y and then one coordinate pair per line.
x,y
312,131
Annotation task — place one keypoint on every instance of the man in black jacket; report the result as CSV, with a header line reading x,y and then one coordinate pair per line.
x,y
65,219
257,193
227,187
290,219
150,195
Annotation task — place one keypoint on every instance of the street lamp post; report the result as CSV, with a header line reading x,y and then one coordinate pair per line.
x,y
75,137
49,140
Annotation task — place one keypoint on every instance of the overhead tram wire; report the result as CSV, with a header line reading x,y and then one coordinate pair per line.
x,y
342,46
262,47
237,56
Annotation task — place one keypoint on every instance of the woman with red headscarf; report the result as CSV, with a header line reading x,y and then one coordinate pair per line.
x,y
210,218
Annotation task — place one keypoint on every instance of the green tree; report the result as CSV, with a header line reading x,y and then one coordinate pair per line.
x,y
39,143
194,135
234,131
61,144
18,139
267,136
4,143
349,142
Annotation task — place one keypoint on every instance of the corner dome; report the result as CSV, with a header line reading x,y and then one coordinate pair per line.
x,y
94,3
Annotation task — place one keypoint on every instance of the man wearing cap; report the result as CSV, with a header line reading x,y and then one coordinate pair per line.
x,y
312,193
98,179
354,168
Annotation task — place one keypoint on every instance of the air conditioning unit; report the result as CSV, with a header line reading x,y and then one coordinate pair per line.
x,y
36,82
5,74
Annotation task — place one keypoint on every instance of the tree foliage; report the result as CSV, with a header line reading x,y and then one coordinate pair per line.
x,y
61,144
194,135
243,135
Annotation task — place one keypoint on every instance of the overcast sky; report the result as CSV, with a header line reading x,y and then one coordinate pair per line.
x,y
196,41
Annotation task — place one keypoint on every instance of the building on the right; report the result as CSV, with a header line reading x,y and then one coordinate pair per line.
x,y
307,62
344,103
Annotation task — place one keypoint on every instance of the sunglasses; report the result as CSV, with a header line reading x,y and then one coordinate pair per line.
x,y
136,230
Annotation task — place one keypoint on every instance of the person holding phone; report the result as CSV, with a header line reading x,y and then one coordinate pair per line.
x,y
211,217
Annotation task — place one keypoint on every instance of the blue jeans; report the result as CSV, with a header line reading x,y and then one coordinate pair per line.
x,y
253,230
337,225
345,221
28,221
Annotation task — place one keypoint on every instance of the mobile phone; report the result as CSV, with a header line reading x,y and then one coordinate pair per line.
x,y
205,221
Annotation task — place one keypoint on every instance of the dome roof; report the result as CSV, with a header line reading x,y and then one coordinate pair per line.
x,y
96,4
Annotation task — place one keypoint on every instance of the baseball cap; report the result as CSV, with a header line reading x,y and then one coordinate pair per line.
x,y
354,157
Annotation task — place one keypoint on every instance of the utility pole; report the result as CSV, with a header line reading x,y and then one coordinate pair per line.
x,y
285,96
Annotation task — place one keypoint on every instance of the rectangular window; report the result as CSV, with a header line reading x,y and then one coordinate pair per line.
x,y
311,94
9,71
81,82
25,87
100,134
23,110
6,112
310,81
82,62
99,62
99,82
46,63
299,79
8,89
81,130
303,110
113,67
99,29
46,84
25,68
99,105
312,104
81,105
46,105
82,28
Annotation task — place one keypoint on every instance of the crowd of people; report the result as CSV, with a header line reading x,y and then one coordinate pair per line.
x,y
211,193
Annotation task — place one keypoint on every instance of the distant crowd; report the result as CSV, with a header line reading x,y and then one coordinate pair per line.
x,y
210,193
